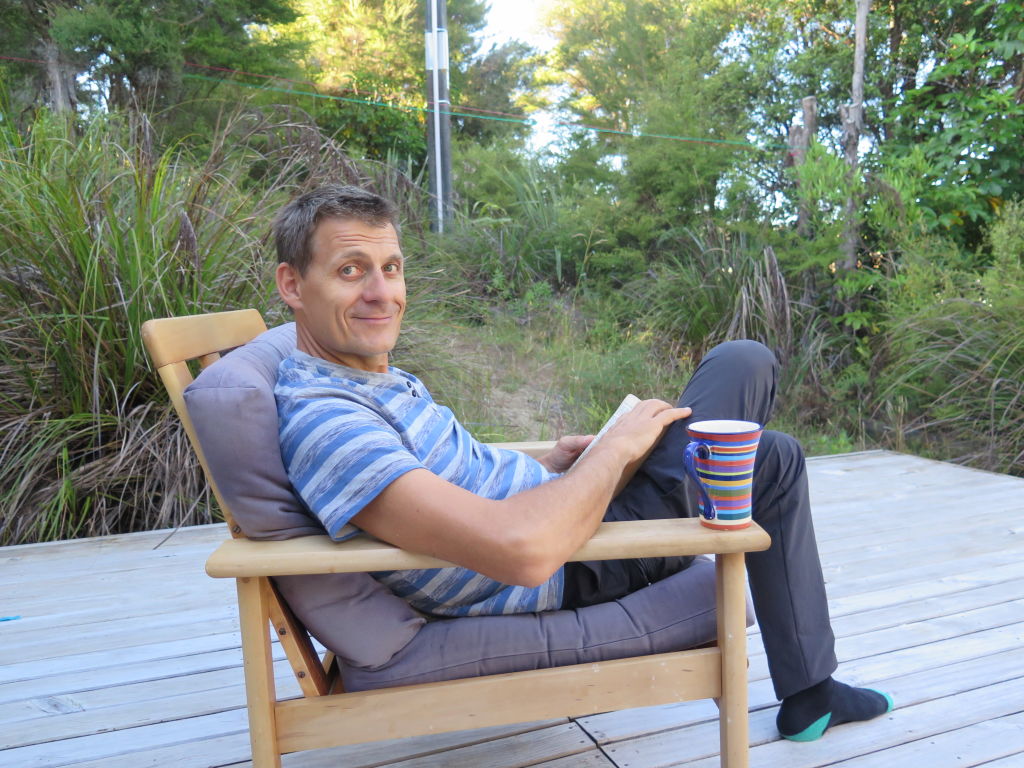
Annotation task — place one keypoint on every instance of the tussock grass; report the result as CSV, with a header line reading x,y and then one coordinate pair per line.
x,y
101,231
714,286
960,366
955,352
526,234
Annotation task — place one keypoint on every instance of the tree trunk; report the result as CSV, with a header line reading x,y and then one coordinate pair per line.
x,y
888,83
59,80
800,139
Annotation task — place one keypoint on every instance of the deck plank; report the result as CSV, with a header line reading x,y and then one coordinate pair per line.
x,y
1010,761
693,746
232,751
107,746
517,751
153,670
126,655
31,721
980,743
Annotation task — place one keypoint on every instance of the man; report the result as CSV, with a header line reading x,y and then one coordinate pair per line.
x,y
366,446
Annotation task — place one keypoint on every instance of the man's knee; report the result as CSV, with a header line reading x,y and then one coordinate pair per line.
x,y
752,357
735,380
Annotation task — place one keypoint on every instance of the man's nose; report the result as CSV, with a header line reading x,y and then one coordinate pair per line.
x,y
376,287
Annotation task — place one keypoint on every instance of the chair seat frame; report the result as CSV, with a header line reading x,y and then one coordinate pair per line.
x,y
327,716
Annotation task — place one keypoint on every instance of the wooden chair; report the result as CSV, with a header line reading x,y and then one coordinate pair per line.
x,y
327,716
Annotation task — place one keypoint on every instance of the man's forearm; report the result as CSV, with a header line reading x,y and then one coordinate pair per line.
x,y
551,521
522,539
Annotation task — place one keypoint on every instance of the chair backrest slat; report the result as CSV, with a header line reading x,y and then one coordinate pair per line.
x,y
174,341
310,672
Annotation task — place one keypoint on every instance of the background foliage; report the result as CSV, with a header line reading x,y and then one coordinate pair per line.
x,y
143,149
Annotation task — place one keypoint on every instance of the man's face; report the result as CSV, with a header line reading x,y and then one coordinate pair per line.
x,y
349,304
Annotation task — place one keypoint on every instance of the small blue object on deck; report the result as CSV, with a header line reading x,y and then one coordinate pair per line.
x,y
9,618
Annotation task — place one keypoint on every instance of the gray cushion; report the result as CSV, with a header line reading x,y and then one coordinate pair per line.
x,y
232,407
377,636
670,615
235,417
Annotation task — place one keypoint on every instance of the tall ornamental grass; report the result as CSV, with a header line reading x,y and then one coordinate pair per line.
x,y
713,285
957,355
100,232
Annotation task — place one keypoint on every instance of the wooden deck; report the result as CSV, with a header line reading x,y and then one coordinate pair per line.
x,y
125,655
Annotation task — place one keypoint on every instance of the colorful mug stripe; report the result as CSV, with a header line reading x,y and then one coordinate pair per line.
x,y
720,460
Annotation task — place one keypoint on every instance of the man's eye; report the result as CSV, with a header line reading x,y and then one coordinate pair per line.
x,y
349,270
393,268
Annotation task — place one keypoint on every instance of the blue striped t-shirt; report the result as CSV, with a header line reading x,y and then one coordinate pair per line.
x,y
347,434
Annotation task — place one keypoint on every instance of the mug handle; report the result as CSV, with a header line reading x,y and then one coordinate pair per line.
x,y
701,449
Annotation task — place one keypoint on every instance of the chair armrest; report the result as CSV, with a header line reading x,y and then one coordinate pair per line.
x,y
534,448
238,558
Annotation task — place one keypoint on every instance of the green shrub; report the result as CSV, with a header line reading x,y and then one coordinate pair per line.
x,y
516,226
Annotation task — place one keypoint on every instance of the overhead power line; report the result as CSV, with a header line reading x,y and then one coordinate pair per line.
x,y
461,111
458,111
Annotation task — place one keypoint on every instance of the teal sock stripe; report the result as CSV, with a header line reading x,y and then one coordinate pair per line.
x,y
887,697
817,729
812,732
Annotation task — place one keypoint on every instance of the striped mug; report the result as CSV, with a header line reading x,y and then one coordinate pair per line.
x,y
720,461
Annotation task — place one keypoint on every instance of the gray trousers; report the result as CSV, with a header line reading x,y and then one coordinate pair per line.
x,y
735,380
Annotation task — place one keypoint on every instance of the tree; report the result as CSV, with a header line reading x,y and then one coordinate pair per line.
x,y
498,84
25,33
139,49
943,94
363,51
133,52
655,67
852,115
961,126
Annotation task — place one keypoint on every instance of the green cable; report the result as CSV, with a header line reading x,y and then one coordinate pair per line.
x,y
523,121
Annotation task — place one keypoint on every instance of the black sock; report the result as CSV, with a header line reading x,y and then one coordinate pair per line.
x,y
806,715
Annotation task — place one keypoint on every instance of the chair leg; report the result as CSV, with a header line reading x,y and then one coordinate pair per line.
x,y
732,640
261,696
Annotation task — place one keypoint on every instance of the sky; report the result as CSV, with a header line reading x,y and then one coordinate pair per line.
x,y
521,20
516,19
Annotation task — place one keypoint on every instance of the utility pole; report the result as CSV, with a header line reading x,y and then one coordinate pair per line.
x,y
439,158
852,116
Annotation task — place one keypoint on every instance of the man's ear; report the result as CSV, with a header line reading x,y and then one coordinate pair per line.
x,y
288,286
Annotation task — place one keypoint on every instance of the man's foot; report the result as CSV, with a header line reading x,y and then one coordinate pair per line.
x,y
806,715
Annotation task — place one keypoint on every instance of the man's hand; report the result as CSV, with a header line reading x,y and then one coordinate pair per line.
x,y
565,452
637,432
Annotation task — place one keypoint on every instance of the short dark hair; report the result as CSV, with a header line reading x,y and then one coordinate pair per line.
x,y
294,224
